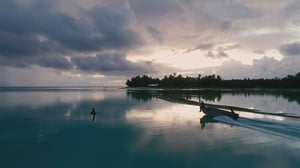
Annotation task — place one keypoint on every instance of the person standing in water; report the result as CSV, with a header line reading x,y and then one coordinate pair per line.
x,y
93,113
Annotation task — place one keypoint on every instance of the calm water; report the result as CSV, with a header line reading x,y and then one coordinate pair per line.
x,y
53,127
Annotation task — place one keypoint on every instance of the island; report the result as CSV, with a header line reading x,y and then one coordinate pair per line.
x,y
213,81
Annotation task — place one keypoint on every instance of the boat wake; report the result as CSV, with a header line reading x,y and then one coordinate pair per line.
x,y
290,130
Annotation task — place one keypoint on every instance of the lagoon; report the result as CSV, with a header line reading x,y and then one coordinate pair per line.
x,y
53,127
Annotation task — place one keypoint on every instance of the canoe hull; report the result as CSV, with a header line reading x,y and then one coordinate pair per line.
x,y
213,112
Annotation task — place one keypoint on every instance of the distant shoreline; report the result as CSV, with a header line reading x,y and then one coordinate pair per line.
x,y
213,89
214,81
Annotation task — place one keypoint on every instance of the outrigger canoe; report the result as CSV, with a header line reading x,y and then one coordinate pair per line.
x,y
213,112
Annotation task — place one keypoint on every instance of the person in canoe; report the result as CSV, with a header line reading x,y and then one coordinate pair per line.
x,y
213,112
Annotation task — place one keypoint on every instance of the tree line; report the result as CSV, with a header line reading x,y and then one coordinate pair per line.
x,y
213,81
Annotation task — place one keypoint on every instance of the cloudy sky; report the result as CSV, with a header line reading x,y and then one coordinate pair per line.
x,y
105,42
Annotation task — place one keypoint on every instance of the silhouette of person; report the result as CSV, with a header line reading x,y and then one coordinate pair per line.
x,y
202,106
235,116
93,113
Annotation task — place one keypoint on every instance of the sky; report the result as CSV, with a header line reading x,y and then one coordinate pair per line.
x,y
106,42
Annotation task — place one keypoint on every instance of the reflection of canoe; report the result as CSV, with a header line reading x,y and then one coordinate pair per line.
x,y
288,130
213,112
206,119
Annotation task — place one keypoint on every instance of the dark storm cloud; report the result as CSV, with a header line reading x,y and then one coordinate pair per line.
x,y
21,27
219,54
49,61
231,47
225,25
53,61
111,64
220,15
155,34
291,11
154,8
202,46
222,54
29,34
291,49
112,29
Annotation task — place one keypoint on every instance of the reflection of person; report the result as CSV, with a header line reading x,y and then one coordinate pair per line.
x,y
202,122
206,119
93,113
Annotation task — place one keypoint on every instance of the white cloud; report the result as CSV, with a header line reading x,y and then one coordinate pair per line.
x,y
262,68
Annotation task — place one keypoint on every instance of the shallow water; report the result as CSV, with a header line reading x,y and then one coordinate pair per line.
x,y
53,127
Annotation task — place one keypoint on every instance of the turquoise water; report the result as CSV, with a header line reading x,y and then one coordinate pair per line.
x,y
53,127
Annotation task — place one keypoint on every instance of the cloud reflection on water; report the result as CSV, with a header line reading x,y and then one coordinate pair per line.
x,y
141,128
170,122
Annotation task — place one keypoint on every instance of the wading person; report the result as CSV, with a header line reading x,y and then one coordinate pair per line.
x,y
93,113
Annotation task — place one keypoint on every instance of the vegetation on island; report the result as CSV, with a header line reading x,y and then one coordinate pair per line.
x,y
213,81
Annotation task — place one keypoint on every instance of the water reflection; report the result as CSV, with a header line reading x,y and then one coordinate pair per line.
x,y
274,101
139,129
146,95
269,101
273,127
170,116
205,120
213,95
